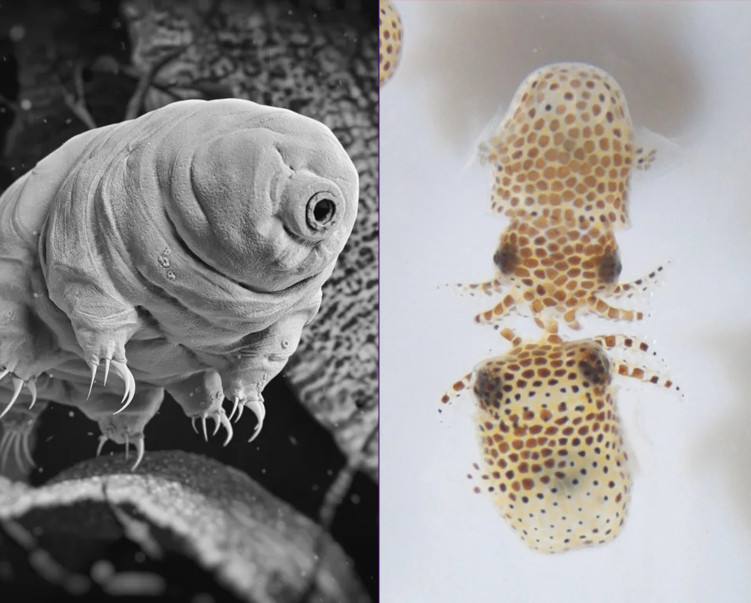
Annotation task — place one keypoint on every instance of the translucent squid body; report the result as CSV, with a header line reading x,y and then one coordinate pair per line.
x,y
553,455
565,148
182,251
389,40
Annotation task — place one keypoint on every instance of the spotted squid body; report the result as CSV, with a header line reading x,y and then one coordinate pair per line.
x,y
182,251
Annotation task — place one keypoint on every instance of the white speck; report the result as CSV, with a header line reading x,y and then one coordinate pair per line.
x,y
293,440
71,414
25,104
17,32
102,570
355,499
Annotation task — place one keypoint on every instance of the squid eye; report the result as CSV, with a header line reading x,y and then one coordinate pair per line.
x,y
610,267
595,366
488,389
320,211
506,257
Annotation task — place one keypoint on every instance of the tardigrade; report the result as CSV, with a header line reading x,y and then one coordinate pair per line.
x,y
182,251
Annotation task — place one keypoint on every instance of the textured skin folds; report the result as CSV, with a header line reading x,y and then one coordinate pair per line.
x,y
188,246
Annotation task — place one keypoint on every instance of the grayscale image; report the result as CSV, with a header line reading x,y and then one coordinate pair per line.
x,y
188,300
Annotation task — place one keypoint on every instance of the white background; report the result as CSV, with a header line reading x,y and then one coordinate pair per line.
x,y
686,72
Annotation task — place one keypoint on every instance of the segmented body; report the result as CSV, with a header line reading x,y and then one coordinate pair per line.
x,y
554,460
183,250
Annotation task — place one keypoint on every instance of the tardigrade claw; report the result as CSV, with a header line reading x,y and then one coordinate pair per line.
x,y
139,442
227,426
259,410
16,442
16,439
130,384
102,442
140,451
123,371
220,420
31,386
235,406
18,385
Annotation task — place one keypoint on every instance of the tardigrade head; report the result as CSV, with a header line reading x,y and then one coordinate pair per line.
x,y
566,137
264,196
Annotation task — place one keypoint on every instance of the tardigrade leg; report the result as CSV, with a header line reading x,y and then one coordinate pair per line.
x,y
101,319
15,442
201,396
27,349
258,358
124,426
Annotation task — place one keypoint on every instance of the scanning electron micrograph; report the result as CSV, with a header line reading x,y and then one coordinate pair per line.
x,y
188,300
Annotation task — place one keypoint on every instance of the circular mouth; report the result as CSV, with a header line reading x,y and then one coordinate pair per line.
x,y
320,212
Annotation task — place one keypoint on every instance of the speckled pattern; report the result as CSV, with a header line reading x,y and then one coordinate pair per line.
x,y
558,268
390,40
565,147
554,460
256,545
322,65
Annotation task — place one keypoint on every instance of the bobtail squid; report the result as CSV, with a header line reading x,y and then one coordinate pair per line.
x,y
182,251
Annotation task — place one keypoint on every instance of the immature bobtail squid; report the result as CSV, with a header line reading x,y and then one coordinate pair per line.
x,y
182,251
563,157
566,148
554,459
